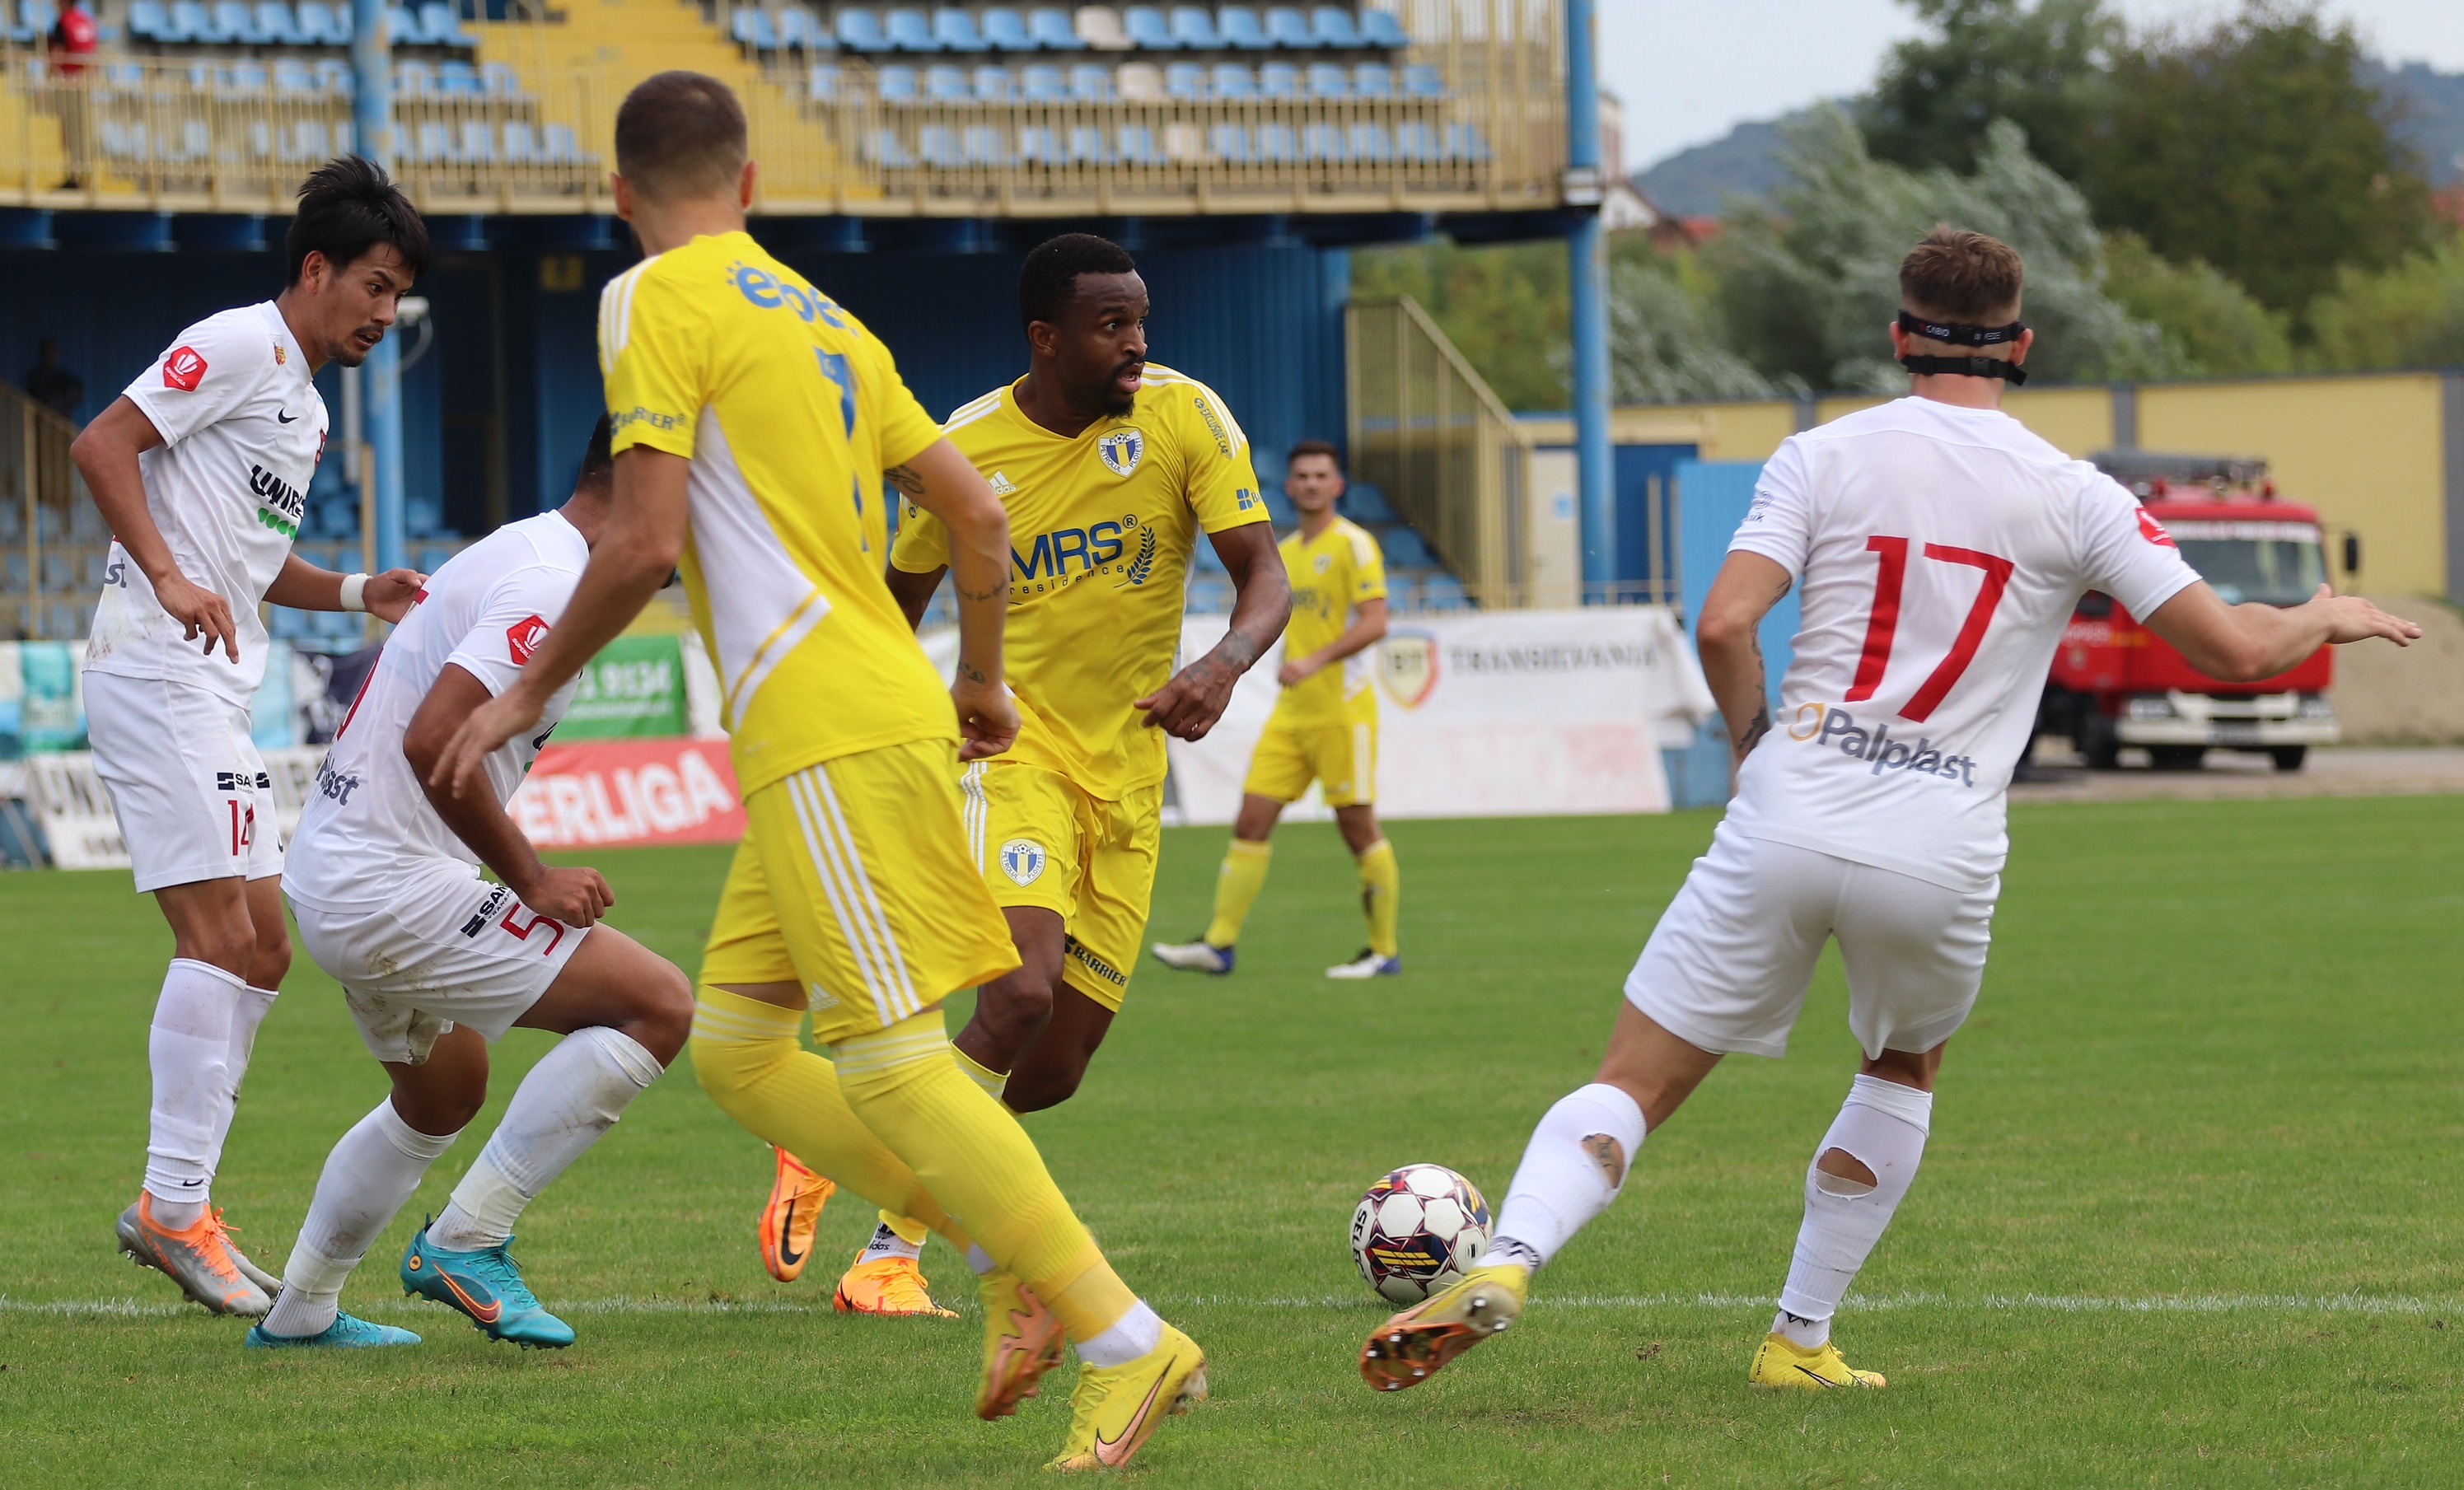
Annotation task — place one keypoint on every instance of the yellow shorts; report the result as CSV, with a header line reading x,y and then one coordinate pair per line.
x,y
853,880
1043,840
1342,758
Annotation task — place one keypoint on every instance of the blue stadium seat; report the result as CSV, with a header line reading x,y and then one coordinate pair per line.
x,y
319,27
1145,27
1418,142
1231,142
1277,144
859,31
1402,592
947,84
1466,142
444,26
458,79
1208,597
1279,80
275,23
995,84
821,82
1204,561
1138,147
1232,82
1332,26
403,28
803,31
1380,28
1194,29
1442,591
1371,144
882,148
188,22
234,22
1404,549
1366,505
1238,26
413,79
1039,146
147,20
955,31
910,30
939,144
1186,81
1006,30
751,28
1091,83
896,84
1042,83
1287,28
35,21
334,76
1086,147
498,80
1372,81
1329,80
986,144
1421,81
291,75
1051,30
1325,144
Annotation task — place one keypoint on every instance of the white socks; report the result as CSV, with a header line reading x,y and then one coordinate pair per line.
x,y
255,1003
194,1079
1573,1167
887,1243
576,1092
367,1178
1883,1127
1133,1335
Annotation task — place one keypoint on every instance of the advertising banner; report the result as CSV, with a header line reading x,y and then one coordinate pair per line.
x,y
635,687
1501,714
631,792
68,799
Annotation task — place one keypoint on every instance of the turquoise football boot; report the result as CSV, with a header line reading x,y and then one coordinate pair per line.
x,y
345,1333
487,1287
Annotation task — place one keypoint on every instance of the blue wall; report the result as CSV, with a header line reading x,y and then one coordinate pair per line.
x,y
1712,501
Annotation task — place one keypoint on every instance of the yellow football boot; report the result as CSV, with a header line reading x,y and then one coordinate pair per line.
x,y
892,1286
1782,1363
797,1196
1022,1342
1407,1349
1116,1408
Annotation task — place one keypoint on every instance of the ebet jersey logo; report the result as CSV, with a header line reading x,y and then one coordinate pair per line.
x,y
183,369
1828,724
523,637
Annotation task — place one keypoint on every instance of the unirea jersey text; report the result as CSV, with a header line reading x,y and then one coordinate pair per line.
x,y
790,410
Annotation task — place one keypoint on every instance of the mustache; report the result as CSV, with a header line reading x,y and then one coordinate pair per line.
x,y
1134,365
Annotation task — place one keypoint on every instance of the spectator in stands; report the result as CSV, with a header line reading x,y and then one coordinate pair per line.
x,y
72,41
50,385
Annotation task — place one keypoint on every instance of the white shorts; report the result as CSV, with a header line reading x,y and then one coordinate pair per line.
x,y
1726,967
447,948
190,791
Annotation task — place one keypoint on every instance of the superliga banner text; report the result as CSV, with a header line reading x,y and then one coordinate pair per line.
x,y
1498,713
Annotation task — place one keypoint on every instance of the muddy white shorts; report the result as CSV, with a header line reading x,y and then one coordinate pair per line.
x,y
1726,967
187,783
445,948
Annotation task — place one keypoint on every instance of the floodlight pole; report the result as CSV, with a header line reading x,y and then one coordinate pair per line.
x,y
380,375
1587,261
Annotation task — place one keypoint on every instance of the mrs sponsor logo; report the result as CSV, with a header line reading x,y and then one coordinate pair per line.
x,y
1829,724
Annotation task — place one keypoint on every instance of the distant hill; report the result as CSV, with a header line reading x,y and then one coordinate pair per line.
x,y
1746,160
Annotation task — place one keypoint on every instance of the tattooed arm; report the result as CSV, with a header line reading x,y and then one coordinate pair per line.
x,y
1745,590
940,481
1188,705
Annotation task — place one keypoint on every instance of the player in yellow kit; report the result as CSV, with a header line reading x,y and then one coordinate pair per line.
x,y
1324,728
754,417
1110,467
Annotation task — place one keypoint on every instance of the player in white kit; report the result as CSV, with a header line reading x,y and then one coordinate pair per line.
x,y
200,468
1941,547
436,963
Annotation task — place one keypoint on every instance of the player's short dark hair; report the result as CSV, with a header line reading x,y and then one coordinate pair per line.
x,y
1049,277
347,207
680,134
1325,447
1962,277
598,463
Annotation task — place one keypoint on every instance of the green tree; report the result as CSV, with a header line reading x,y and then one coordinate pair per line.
x,y
2258,147
1667,339
1506,308
2210,325
2041,67
2410,315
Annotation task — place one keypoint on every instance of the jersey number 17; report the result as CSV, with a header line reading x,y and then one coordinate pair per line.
x,y
1883,623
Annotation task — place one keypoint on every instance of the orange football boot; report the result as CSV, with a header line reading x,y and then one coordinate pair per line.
x,y
797,1196
1021,1341
887,1285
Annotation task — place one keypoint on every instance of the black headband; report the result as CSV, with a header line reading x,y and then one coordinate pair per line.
x,y
1966,366
1958,335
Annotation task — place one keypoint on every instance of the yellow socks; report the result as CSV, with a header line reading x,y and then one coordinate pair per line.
x,y
1381,895
991,1080
747,1056
1236,888
907,1229
971,1153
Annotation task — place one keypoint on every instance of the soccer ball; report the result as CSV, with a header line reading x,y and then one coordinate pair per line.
x,y
1418,1230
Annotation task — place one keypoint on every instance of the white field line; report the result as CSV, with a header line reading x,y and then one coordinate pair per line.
x,y
1991,1302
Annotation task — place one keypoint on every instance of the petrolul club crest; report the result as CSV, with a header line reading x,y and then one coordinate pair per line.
x,y
1022,860
1122,449
1407,665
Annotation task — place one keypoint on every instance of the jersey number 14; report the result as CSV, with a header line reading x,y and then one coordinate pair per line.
x,y
1883,622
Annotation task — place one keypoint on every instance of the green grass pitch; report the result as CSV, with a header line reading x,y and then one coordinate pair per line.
x,y
2190,1215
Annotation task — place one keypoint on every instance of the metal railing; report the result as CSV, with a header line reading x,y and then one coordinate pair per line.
x,y
1427,431
52,540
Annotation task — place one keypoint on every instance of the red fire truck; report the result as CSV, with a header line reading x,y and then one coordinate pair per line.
x,y
2116,684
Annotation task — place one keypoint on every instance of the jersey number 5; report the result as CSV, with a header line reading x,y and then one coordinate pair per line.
x,y
1885,622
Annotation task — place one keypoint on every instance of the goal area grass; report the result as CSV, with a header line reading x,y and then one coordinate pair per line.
x,y
2189,1214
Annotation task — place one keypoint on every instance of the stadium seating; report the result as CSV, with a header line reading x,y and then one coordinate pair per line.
x,y
1005,30
1329,80
1404,549
1280,81
801,30
910,30
995,84
1366,505
1333,27
324,24
1234,81
1238,25
1003,27
859,31
749,28
1194,29
1289,28
1089,84
1147,30
1139,82
1186,81
821,82
955,31
1099,26
1043,84
1052,30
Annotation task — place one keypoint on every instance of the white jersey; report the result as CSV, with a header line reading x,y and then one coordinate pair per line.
x,y
1938,552
242,431
369,826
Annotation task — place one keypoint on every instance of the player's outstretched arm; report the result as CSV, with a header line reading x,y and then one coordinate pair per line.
x,y
1727,637
2243,643
575,897
105,453
1187,707
647,523
303,587
942,482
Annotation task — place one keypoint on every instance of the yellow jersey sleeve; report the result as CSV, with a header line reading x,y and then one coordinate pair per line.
x,y
1217,479
923,542
654,344
906,432
1367,580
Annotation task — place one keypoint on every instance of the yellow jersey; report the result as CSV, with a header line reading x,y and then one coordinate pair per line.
x,y
1101,531
790,410
1331,575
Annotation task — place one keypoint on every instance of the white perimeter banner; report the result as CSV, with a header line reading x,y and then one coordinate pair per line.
x,y
1496,713
69,801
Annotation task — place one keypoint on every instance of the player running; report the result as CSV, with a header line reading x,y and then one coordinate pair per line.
x,y
200,467
753,418
437,963
1940,546
1109,465
1324,728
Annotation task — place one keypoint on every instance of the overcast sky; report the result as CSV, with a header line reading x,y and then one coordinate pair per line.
x,y
1688,71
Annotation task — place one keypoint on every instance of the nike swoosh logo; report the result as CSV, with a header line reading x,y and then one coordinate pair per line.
x,y
1819,1380
1109,1452
787,1229
288,419
485,1314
